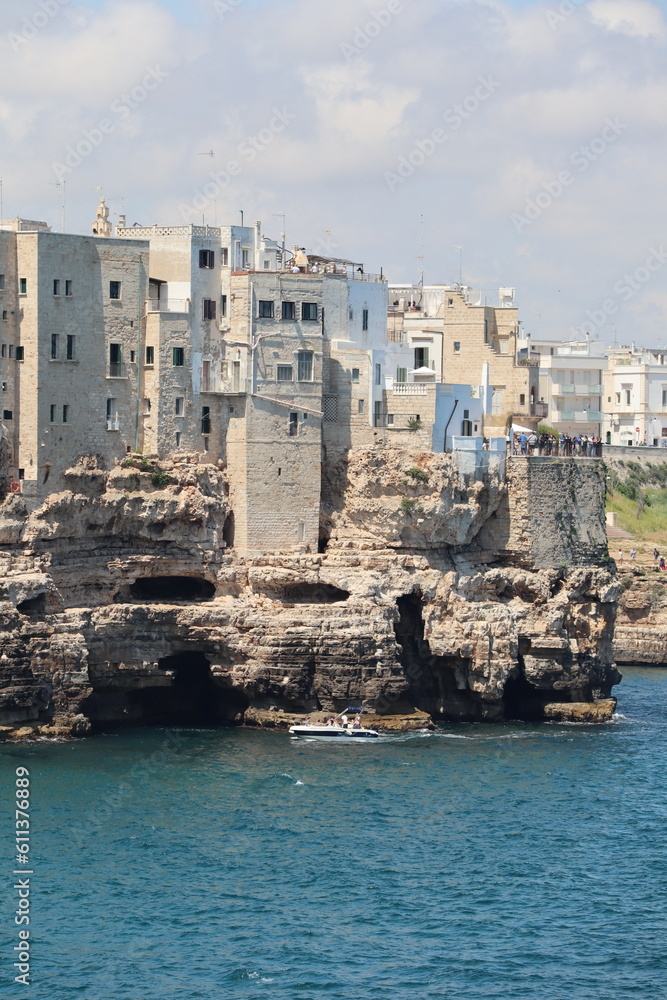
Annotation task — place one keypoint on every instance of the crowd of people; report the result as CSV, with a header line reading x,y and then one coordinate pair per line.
x,y
579,446
333,721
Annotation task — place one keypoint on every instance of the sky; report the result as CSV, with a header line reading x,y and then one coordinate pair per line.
x,y
392,132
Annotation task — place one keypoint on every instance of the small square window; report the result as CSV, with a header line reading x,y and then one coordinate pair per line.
x,y
4,387
289,310
23,286
68,288
450,303
133,357
265,309
208,308
223,305
309,310
457,347
56,286
206,258
150,355
390,420
284,373
305,366
361,405
147,407
114,289
179,406
355,374
178,357
7,415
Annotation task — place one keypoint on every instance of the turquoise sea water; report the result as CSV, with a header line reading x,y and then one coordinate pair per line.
x,y
473,863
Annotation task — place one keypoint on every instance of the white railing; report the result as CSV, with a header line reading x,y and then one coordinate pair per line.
x,y
145,232
168,305
579,416
409,389
113,423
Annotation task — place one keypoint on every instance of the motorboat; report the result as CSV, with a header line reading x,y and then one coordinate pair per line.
x,y
339,729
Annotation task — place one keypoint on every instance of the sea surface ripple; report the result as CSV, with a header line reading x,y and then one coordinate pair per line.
x,y
474,863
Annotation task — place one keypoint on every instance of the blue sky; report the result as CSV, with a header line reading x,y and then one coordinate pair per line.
x,y
532,134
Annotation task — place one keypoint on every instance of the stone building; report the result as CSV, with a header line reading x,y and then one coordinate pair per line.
x,y
450,330
635,397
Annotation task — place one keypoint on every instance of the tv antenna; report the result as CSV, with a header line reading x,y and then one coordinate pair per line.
x,y
460,250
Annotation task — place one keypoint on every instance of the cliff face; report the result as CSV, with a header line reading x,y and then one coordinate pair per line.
x,y
120,602
641,632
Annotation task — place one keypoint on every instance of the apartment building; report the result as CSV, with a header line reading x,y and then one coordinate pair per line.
x,y
450,330
635,397
70,351
570,383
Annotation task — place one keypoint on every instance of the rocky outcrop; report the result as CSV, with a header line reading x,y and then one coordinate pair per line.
x,y
120,604
641,630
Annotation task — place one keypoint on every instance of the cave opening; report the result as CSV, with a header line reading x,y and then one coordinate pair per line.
x,y
33,605
228,531
437,684
522,702
186,695
168,589
313,593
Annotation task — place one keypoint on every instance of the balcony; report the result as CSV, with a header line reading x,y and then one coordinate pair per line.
x,y
579,416
576,390
168,305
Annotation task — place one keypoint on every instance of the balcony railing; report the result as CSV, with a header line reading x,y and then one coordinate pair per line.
x,y
115,369
409,388
577,390
113,423
168,305
579,416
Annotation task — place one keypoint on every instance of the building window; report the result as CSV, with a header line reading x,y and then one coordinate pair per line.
x,y
150,355
133,357
618,398
179,438
364,319
66,413
4,387
68,288
223,305
224,256
390,420
361,405
206,258
3,351
522,399
309,310
377,413
466,414
206,376
293,424
114,289
7,415
664,397
265,309
11,350
56,286
179,406
401,374
4,314
55,346
245,260
628,396
457,347
421,357
52,413
2,282
355,374
284,373
23,286
178,357
147,407
305,366
206,444
71,340
378,374
20,353
208,308
450,303
114,360
206,420
289,310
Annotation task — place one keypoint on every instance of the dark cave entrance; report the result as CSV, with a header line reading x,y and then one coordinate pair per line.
x,y
167,589
228,531
187,695
523,702
312,593
437,684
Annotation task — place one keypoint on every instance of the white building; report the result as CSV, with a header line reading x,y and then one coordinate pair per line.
x,y
635,397
570,383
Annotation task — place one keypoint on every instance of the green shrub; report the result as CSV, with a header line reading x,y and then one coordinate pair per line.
x,y
414,423
419,475
160,479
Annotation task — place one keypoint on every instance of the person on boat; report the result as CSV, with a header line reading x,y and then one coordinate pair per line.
x,y
357,722
308,722
343,720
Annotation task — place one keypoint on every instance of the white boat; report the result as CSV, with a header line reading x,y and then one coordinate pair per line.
x,y
342,730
